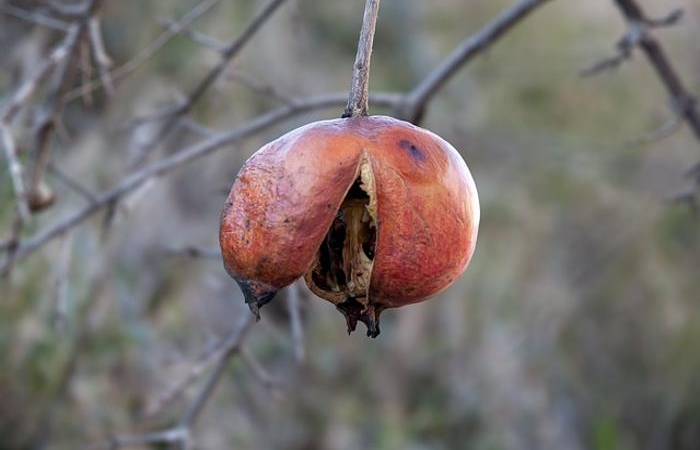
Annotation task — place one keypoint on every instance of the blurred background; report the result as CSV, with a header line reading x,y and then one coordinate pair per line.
x,y
576,326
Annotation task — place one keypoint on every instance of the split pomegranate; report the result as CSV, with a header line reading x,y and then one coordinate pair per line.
x,y
372,211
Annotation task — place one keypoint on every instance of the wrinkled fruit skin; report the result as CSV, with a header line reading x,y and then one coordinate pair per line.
x,y
298,204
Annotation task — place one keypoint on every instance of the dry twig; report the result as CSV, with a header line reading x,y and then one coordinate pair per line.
x,y
359,88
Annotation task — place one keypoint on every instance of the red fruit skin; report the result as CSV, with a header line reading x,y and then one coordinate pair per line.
x,y
282,204
429,214
286,196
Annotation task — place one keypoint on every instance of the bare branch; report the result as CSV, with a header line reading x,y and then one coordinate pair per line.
x,y
294,308
202,39
145,54
170,436
661,133
104,62
659,60
15,169
218,355
71,183
359,87
199,150
261,88
59,310
34,17
231,50
261,375
24,93
196,252
415,102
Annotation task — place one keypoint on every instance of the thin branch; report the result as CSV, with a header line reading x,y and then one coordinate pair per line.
x,y
220,353
71,183
34,17
258,87
195,252
59,310
201,39
227,54
104,62
197,128
269,382
660,133
15,169
199,150
416,101
170,436
297,330
359,87
24,93
144,55
658,58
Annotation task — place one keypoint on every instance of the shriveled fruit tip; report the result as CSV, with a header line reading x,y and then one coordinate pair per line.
x,y
355,311
256,295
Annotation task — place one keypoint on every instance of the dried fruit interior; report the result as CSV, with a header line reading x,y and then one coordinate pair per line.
x,y
345,257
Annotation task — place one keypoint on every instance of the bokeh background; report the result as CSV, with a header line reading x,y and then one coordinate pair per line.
x,y
576,326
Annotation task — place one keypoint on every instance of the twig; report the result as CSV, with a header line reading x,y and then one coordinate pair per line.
x,y
59,311
416,101
104,62
220,353
680,96
231,50
197,128
196,252
261,88
661,133
263,376
34,17
25,91
199,150
199,38
170,436
15,169
294,308
71,183
359,87
144,55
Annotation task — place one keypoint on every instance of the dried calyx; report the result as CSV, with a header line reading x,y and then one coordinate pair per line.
x,y
342,268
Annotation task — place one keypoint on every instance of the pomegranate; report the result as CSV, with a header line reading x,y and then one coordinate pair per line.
x,y
372,211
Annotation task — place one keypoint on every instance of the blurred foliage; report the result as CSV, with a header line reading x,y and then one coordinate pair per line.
x,y
577,325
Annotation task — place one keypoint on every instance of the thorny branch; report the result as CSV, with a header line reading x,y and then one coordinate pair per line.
x,y
683,103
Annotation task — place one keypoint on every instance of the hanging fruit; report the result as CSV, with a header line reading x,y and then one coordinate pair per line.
x,y
372,211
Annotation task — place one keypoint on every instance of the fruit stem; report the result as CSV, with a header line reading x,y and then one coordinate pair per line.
x,y
359,87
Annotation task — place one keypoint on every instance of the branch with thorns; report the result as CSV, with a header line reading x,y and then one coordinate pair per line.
x,y
683,104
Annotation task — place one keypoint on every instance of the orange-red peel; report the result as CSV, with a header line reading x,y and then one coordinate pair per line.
x,y
372,211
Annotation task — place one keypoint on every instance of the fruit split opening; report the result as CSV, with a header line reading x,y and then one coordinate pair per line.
x,y
342,268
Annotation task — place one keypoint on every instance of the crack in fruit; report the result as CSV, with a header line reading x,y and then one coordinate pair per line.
x,y
344,260
343,265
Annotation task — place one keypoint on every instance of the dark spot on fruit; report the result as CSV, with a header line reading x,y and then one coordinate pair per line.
x,y
412,150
